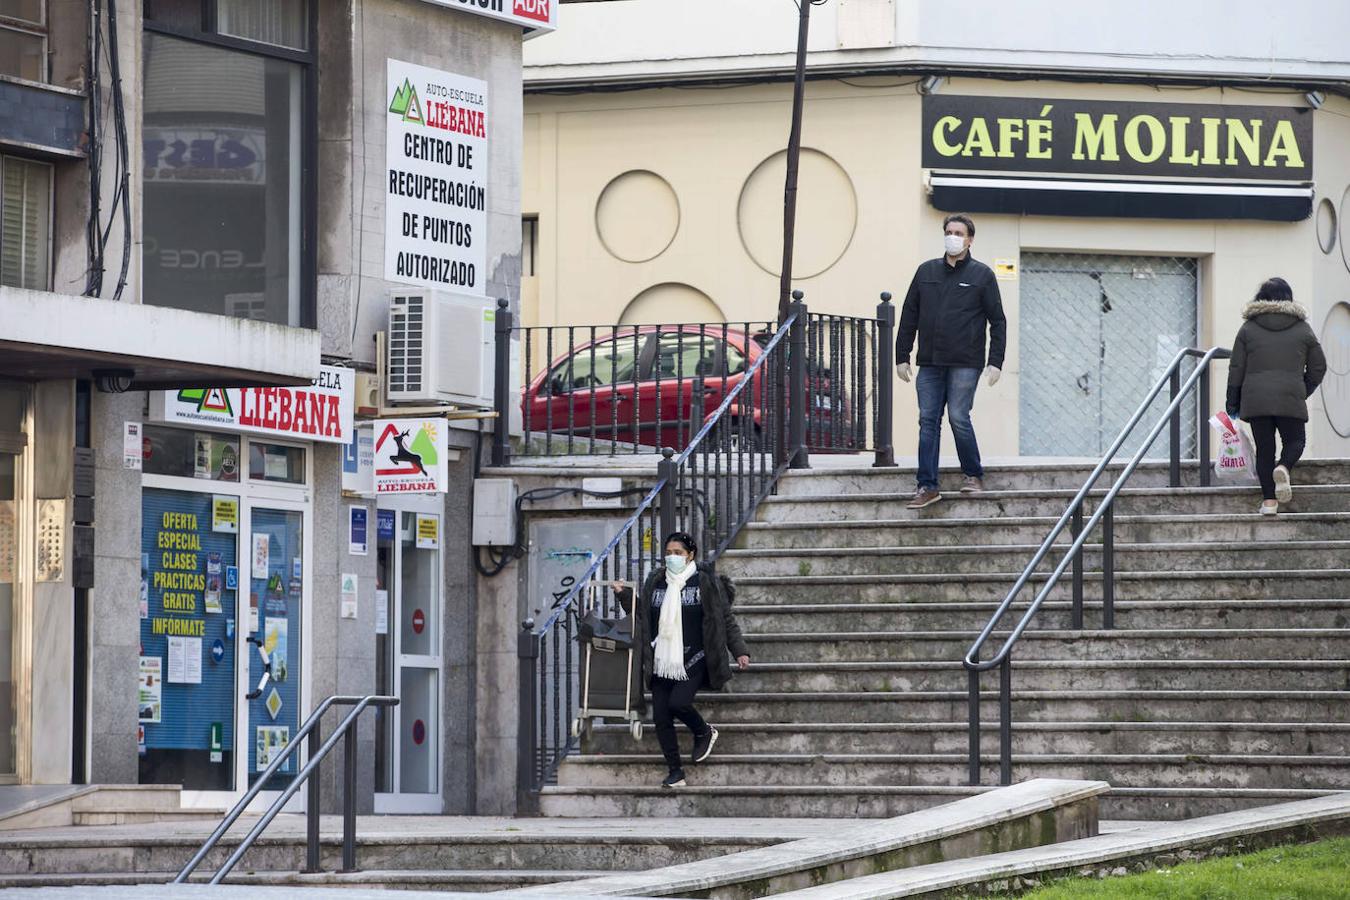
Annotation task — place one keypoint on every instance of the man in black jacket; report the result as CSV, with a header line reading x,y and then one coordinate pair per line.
x,y
951,301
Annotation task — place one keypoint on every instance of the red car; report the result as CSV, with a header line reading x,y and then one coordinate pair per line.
x,y
636,386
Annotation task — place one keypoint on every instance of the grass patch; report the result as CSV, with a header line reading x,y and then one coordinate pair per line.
x,y
1319,871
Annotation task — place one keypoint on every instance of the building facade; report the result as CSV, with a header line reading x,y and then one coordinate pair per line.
x,y
1132,182
199,248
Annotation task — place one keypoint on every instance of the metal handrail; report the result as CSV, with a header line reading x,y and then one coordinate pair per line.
x,y
1104,510
568,601
308,729
535,760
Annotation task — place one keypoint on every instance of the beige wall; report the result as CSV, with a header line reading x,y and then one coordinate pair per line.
x,y
864,219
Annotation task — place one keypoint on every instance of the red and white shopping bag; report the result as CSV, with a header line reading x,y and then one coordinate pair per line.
x,y
1237,459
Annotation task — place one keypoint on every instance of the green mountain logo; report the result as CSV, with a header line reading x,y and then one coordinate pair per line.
x,y
406,104
425,447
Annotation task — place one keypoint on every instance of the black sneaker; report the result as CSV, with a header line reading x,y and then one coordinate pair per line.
x,y
674,779
703,744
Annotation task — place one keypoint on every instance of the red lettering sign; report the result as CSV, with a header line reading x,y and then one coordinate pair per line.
x,y
532,9
419,621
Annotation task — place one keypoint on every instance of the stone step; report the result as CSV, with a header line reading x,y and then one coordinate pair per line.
x,y
1258,583
860,771
1176,644
468,881
33,853
1053,614
1102,707
876,802
1030,475
910,532
959,560
1053,675
830,507
113,816
1252,738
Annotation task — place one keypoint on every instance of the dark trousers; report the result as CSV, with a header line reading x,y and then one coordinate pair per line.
x,y
1292,439
673,700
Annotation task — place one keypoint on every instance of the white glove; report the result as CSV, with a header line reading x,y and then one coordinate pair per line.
x,y
903,370
993,374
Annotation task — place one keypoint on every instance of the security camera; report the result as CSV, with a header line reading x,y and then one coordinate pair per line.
x,y
113,381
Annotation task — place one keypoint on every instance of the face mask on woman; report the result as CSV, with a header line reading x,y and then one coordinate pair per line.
x,y
676,563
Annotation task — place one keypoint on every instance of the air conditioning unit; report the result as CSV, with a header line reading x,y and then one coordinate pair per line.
x,y
440,348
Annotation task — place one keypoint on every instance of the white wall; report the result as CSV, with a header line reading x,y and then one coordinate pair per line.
x,y
1252,38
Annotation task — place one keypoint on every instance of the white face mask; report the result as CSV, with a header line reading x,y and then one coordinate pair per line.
x,y
676,564
954,244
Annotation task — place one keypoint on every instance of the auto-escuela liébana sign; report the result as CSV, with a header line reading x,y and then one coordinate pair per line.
x,y
1172,140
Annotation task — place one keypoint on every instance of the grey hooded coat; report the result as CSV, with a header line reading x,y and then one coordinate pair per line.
x,y
1277,362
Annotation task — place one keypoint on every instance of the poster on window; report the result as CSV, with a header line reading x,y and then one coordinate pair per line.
x,y
436,153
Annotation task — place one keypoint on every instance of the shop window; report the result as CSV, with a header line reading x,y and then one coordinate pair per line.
x,y
276,462
25,221
190,454
227,84
23,39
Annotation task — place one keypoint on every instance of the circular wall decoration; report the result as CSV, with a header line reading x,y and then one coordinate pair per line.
x,y
637,216
1343,219
827,214
1336,385
671,302
1326,225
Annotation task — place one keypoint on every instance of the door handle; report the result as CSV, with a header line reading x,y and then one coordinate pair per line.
x,y
267,669
1083,381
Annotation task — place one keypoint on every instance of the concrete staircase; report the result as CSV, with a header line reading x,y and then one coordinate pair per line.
x,y
1223,686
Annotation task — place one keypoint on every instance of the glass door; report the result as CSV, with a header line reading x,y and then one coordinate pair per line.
x,y
408,754
273,618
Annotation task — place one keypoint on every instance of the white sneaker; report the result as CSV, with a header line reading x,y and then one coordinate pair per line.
x,y
1270,508
1284,491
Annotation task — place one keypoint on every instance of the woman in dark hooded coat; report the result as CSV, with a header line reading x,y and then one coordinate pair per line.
x,y
686,645
1277,364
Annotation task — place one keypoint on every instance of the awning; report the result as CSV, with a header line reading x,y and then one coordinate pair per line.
x,y
1042,196
46,336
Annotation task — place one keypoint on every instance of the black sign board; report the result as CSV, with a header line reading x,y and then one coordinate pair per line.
x,y
84,472
82,556
1173,140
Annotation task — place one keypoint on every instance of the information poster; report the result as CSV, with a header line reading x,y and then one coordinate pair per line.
x,y
149,699
271,740
225,514
428,531
436,153
187,608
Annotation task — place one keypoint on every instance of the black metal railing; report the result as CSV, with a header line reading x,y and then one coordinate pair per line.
x,y
711,489
346,732
1104,514
611,390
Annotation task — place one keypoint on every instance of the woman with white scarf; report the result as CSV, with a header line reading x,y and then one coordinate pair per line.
x,y
688,633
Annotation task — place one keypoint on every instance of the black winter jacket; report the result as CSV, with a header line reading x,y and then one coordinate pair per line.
x,y
949,309
722,637
1277,362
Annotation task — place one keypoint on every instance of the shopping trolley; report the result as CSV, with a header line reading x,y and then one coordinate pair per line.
x,y
611,669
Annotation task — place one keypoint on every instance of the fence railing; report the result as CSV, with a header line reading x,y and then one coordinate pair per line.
x,y
316,752
612,390
710,489
1104,514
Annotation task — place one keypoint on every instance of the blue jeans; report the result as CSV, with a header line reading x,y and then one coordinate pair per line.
x,y
953,388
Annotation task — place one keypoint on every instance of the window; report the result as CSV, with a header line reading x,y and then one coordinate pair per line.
x,y
23,39
25,223
529,245
190,454
686,354
228,158
276,462
607,362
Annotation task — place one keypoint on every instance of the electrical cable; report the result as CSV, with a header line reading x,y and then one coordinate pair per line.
x,y
502,557
123,154
93,283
